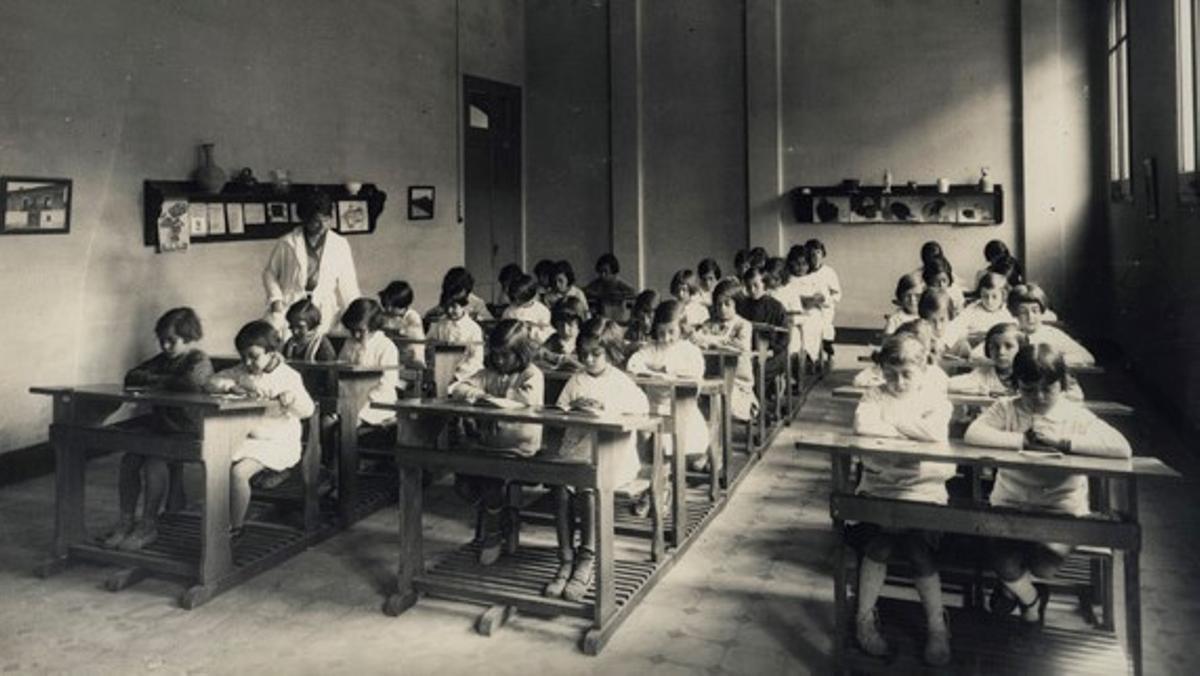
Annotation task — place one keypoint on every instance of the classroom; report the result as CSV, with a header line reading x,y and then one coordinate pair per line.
x,y
599,336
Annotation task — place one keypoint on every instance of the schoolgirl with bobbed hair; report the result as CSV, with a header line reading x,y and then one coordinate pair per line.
x,y
368,345
509,379
454,325
641,319
527,308
906,299
1039,418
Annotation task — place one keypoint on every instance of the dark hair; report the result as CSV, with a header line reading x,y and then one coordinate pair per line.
x,y
604,332
569,309
458,277
684,278
304,310
608,261
758,257
564,268
543,268
363,313
742,257
668,312
815,244
396,294
313,203
1010,268
797,254
994,249
907,283
920,329
935,267
510,335
992,280
1039,363
931,250
522,289
931,301
460,297
707,266
1026,293
257,332
181,321
645,302
776,270
726,288
750,273
508,273
998,331
896,348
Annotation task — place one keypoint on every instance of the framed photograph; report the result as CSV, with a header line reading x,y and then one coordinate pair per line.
x,y
36,206
277,212
352,216
420,202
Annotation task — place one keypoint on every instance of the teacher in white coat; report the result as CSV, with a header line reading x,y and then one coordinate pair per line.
x,y
313,262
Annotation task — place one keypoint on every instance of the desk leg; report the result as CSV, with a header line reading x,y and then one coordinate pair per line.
x,y
352,395
756,445
1133,596
605,590
841,472
412,561
726,434
659,515
70,462
678,474
221,433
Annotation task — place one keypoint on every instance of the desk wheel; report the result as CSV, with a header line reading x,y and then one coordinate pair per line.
x,y
196,596
493,618
398,603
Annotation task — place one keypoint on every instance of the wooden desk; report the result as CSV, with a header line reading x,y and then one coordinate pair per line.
x,y
443,357
193,547
1101,408
1118,528
958,365
515,581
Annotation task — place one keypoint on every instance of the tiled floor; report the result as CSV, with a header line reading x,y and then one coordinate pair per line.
x,y
752,596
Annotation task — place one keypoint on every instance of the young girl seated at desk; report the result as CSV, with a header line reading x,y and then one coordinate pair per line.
x,y
369,346
459,279
1000,346
903,407
306,342
641,319
600,388
274,442
1043,419
938,274
990,309
402,321
559,350
607,293
922,330
671,356
528,309
709,273
509,380
564,286
1028,303
456,326
180,367
728,330
936,307
908,296
685,289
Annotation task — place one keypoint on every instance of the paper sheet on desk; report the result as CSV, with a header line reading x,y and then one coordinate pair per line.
x,y
495,402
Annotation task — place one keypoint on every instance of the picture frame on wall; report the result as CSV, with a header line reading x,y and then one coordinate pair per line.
x,y
420,202
36,206
352,216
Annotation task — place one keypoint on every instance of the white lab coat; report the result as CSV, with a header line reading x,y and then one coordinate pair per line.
x,y
287,270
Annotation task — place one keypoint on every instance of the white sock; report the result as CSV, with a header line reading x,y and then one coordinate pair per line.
x,y
1023,588
871,575
929,588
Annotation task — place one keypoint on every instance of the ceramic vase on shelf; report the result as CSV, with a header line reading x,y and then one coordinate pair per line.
x,y
208,175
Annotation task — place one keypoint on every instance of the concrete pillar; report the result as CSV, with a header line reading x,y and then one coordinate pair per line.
x,y
625,85
764,125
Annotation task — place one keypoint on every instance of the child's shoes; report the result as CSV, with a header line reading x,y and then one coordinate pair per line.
x,y
867,634
117,535
555,587
492,543
581,577
143,534
937,644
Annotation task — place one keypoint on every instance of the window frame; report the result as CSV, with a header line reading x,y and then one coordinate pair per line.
x,y
1187,107
1120,154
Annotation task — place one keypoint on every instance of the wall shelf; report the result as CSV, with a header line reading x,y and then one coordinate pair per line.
x,y
232,215
922,204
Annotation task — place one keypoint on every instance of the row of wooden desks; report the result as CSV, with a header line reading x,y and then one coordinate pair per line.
x,y
1116,528
1100,408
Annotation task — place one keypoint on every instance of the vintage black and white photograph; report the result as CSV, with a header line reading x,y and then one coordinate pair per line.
x,y
600,337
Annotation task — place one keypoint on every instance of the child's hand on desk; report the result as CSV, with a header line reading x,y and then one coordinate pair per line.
x,y
587,404
1037,440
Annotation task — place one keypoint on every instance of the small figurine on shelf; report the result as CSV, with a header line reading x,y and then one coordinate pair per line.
x,y
887,181
985,181
245,178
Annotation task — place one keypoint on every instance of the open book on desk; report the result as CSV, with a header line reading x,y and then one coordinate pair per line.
x,y
488,401
574,410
